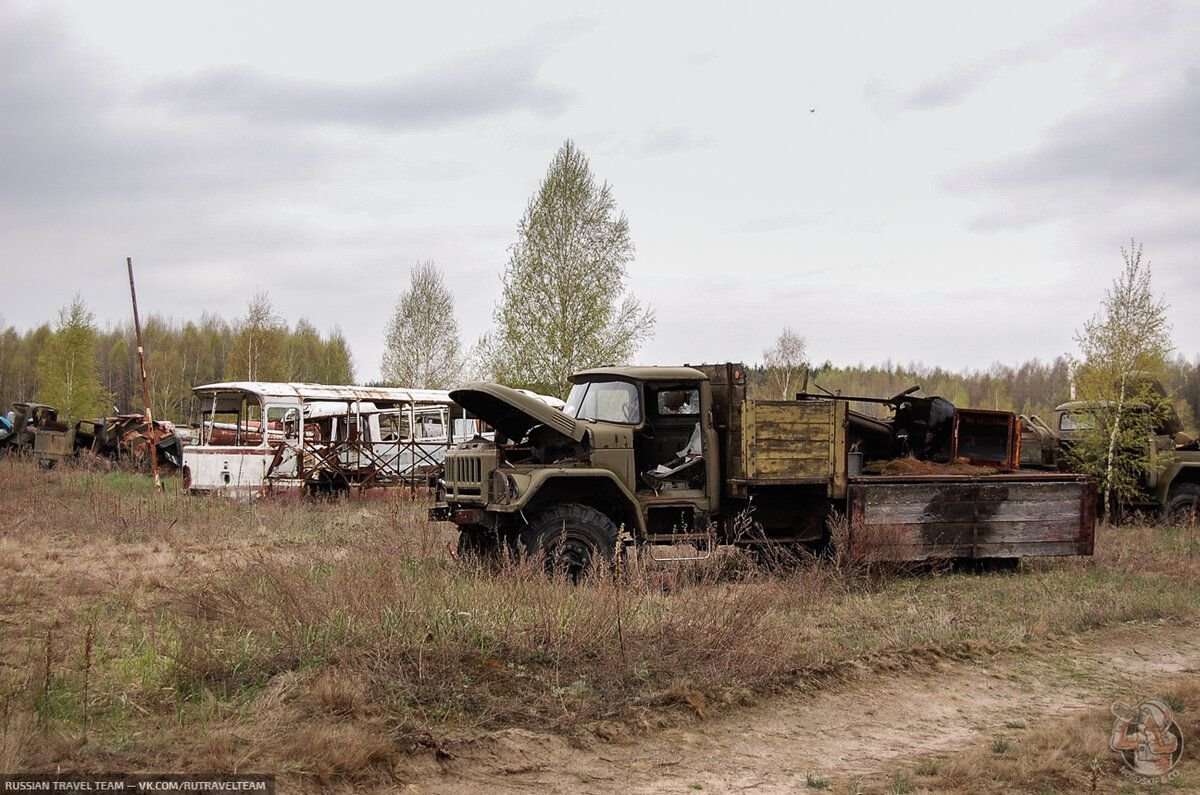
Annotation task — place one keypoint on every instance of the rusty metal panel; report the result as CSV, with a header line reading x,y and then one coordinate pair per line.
x,y
974,518
985,437
53,443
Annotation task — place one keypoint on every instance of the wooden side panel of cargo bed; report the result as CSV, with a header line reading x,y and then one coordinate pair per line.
x,y
976,518
787,441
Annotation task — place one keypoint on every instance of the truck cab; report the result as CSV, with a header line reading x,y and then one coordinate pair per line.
x,y
632,448
1170,483
670,463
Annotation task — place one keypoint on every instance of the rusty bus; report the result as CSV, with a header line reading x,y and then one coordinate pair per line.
x,y
260,438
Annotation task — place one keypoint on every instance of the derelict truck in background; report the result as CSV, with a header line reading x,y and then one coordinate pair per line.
x,y
682,455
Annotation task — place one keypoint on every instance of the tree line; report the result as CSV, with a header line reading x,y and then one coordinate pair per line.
x,y
88,372
564,306
260,346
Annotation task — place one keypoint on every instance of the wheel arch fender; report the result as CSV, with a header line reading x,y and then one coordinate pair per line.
x,y
1176,474
596,489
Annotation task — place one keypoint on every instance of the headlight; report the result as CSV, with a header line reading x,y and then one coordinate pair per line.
x,y
504,488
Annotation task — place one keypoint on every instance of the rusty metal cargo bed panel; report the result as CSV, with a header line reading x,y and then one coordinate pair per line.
x,y
994,516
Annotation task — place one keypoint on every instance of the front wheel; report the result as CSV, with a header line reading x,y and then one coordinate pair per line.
x,y
569,539
1183,505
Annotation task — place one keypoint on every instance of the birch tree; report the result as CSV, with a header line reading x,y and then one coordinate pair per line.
x,y
67,370
422,348
1124,346
784,361
564,305
258,350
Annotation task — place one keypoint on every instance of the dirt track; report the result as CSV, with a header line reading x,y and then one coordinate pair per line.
x,y
866,726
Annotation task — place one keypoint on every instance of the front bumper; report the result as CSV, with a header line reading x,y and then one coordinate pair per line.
x,y
443,512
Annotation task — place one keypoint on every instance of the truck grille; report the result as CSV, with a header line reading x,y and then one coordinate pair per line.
x,y
465,474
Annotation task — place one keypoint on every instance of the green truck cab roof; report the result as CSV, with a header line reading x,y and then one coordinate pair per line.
x,y
640,374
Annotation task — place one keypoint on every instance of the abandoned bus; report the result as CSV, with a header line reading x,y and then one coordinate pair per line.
x,y
260,438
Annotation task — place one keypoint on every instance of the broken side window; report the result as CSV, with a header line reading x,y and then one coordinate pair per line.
x,y
283,423
393,427
431,424
678,402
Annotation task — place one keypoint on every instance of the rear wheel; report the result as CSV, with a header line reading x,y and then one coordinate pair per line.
x,y
1183,505
569,539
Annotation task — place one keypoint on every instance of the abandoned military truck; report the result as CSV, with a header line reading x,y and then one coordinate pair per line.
x,y
669,455
1170,483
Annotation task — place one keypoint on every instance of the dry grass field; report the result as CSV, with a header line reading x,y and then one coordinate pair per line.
x,y
341,645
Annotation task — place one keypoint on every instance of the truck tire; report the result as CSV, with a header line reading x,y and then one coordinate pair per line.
x,y
569,538
1183,506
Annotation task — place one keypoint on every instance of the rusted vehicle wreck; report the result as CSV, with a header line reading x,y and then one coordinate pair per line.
x,y
263,438
36,428
127,440
676,455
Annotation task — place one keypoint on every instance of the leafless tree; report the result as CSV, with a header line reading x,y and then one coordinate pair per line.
x,y
422,347
784,361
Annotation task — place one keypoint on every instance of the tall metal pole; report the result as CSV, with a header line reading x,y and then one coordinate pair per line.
x,y
137,327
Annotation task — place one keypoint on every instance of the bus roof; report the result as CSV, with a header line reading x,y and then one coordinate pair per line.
x,y
304,392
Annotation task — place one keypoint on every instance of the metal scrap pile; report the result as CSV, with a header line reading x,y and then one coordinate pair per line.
x,y
125,439
930,435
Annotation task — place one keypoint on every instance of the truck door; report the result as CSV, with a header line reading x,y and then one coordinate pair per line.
x,y
672,452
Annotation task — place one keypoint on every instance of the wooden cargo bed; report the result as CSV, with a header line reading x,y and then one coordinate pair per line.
x,y
991,516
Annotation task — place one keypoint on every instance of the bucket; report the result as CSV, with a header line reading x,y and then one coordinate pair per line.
x,y
854,464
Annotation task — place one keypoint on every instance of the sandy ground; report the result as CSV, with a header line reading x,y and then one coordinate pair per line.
x,y
866,726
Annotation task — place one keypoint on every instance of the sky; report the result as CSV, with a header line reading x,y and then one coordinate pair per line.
x,y
943,183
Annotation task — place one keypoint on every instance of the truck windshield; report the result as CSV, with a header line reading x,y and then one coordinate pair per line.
x,y
607,401
1076,422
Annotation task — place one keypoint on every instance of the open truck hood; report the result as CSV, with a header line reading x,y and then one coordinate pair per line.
x,y
513,413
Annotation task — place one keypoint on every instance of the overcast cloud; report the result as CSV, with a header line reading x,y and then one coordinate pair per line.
x,y
941,183
1144,146
480,86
